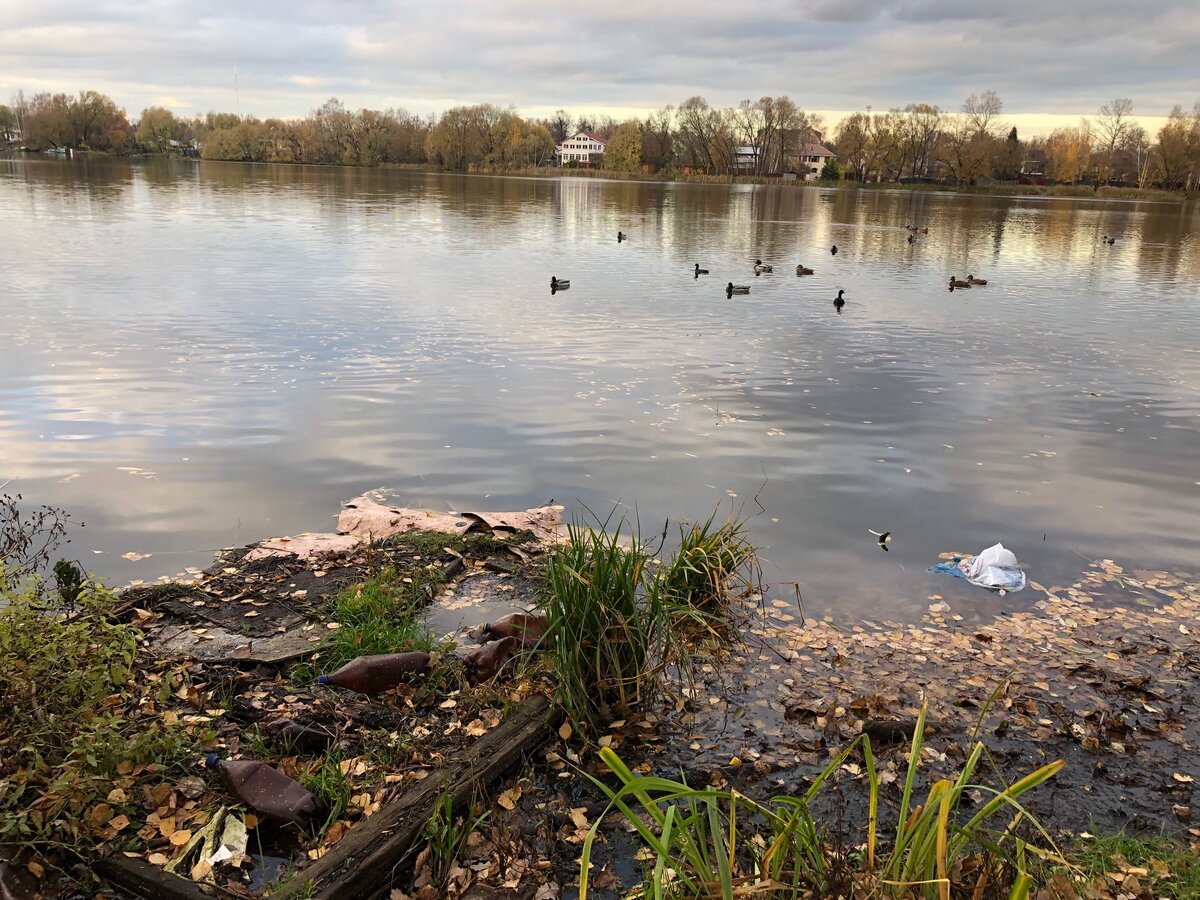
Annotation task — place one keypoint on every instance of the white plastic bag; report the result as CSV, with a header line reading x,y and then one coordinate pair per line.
x,y
996,555
996,569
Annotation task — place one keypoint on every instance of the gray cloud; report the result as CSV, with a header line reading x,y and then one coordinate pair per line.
x,y
1065,58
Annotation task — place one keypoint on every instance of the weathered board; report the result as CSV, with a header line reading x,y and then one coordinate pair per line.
x,y
362,863
142,879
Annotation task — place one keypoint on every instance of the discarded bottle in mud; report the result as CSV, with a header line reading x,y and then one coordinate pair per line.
x,y
526,628
483,663
265,789
294,735
376,674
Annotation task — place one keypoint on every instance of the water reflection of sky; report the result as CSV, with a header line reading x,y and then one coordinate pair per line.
x,y
259,343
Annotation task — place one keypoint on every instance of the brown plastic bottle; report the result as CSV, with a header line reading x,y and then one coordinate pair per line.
x,y
375,674
265,789
484,662
526,628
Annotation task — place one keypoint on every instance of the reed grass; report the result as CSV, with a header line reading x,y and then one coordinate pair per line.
x,y
710,557
708,843
617,624
608,636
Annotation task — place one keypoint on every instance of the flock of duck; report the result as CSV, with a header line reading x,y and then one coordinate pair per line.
x,y
839,301
762,268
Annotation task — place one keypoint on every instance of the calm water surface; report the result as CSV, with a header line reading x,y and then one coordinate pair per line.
x,y
196,355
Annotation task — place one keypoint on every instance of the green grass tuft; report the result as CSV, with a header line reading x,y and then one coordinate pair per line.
x,y
1173,867
711,843
608,636
708,559
617,625
380,615
330,786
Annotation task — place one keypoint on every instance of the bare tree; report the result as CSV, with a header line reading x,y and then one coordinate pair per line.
x,y
851,140
982,111
965,150
559,125
658,145
919,131
705,134
1134,156
1112,123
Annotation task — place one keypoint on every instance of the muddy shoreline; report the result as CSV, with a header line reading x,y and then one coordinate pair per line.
x,y
1103,673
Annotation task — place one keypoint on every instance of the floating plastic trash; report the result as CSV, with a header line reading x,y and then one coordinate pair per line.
x,y
994,568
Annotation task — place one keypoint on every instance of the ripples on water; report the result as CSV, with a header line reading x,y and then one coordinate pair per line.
x,y
204,354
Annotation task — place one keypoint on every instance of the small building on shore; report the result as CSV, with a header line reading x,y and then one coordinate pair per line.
x,y
807,160
585,149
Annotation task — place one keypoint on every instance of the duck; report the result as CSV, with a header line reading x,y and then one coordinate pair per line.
x,y
802,270
971,279
760,267
622,237
1111,241
833,249
559,284
924,231
700,271
911,239
732,288
839,301
958,283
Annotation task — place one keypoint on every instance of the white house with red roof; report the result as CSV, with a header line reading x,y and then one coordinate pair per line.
x,y
584,147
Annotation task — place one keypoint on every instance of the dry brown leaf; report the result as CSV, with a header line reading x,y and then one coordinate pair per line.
x,y
508,799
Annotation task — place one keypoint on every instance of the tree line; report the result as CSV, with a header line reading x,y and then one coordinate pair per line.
x,y
757,137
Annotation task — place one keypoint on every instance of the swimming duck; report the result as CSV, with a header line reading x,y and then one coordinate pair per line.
x,y
911,239
732,288
1111,241
833,249
801,270
559,284
971,279
621,237
760,267
839,301
700,271
958,283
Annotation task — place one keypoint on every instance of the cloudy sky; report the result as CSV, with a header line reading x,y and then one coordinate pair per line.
x,y
1050,61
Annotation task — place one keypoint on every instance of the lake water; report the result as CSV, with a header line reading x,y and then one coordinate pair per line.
x,y
198,355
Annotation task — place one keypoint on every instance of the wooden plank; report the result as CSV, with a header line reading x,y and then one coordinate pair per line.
x,y
362,864
142,879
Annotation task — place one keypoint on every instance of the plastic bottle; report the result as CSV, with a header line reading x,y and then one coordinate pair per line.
x,y
483,663
526,628
376,674
265,789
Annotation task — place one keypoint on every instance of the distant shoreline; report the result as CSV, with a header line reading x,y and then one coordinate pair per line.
x,y
1062,191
